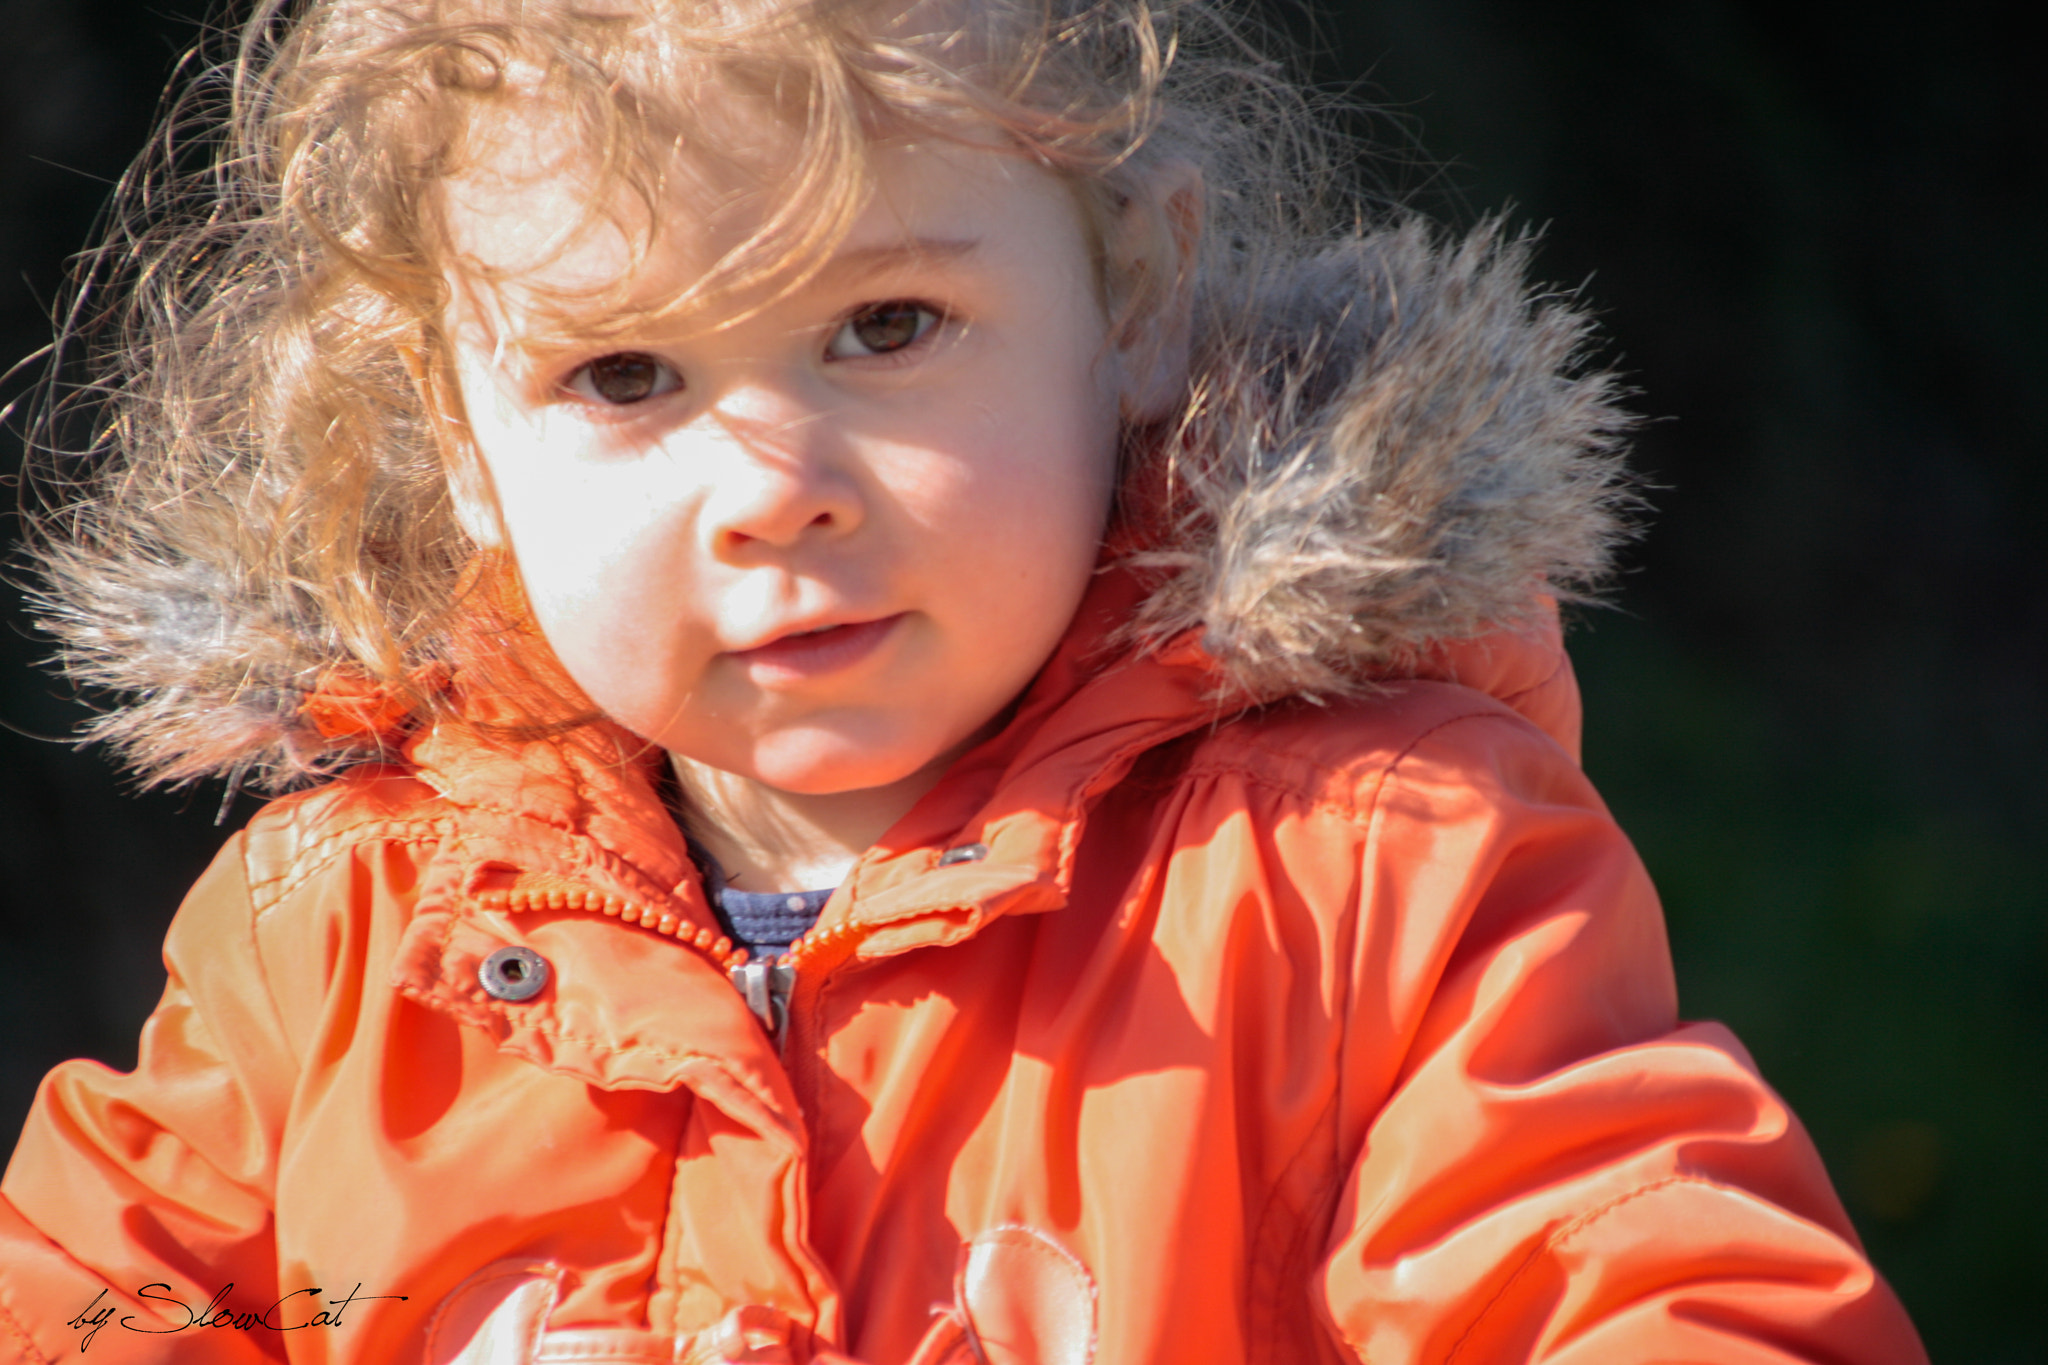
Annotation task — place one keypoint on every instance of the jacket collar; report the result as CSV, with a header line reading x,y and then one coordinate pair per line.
x,y
585,808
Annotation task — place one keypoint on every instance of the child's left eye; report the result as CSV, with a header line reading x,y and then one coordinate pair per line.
x,y
881,329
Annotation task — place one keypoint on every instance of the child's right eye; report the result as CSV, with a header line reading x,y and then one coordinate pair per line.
x,y
623,379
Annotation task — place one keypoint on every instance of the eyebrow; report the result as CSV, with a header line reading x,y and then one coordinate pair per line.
x,y
874,260
560,327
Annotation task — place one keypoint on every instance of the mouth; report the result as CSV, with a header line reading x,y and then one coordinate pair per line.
x,y
814,652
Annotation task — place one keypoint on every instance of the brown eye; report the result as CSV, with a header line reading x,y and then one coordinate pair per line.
x,y
626,378
881,329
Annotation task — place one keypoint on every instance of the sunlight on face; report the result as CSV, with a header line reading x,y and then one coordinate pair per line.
x,y
819,538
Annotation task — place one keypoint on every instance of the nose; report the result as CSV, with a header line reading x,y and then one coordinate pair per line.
x,y
782,474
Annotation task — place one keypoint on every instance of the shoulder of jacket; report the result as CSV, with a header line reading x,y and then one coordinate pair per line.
x,y
1340,755
297,836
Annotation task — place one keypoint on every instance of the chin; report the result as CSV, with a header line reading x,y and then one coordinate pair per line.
x,y
833,779
833,768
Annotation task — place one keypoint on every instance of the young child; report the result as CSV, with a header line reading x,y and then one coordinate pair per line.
x,y
941,728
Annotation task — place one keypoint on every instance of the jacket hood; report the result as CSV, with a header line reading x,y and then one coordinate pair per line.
x,y
1391,446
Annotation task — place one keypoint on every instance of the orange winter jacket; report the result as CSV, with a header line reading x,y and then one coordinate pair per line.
x,y
1201,1016
1336,1033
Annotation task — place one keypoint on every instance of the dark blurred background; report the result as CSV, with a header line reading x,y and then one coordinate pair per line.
x,y
1814,233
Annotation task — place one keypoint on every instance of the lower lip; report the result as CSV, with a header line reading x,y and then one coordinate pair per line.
x,y
795,658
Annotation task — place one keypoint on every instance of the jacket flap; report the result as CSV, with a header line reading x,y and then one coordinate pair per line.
x,y
622,1007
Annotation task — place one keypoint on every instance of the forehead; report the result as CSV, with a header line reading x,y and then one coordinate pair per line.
x,y
540,196
532,224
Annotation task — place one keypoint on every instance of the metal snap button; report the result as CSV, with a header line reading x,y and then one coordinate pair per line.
x,y
966,853
513,973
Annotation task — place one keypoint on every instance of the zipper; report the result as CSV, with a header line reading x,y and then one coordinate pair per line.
x,y
705,939
811,959
768,984
765,985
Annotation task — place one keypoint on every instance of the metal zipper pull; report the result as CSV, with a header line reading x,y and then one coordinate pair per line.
x,y
764,983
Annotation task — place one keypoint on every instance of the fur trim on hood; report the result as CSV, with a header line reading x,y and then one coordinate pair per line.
x,y
1400,453
1390,446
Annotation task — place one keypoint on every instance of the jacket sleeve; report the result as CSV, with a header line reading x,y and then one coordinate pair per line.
x,y
146,1193
1546,1165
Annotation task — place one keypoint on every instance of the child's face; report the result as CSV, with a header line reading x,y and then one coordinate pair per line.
x,y
820,544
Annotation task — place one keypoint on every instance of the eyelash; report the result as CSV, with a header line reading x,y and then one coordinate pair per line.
x,y
589,380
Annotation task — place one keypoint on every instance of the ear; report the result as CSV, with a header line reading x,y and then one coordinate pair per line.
x,y
474,501
1153,249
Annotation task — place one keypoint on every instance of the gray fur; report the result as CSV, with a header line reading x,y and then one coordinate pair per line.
x,y
1398,449
212,669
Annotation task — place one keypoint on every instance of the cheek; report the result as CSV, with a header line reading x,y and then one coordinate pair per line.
x,y
1016,489
615,610
566,548
599,560
575,525
1066,463
1024,529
